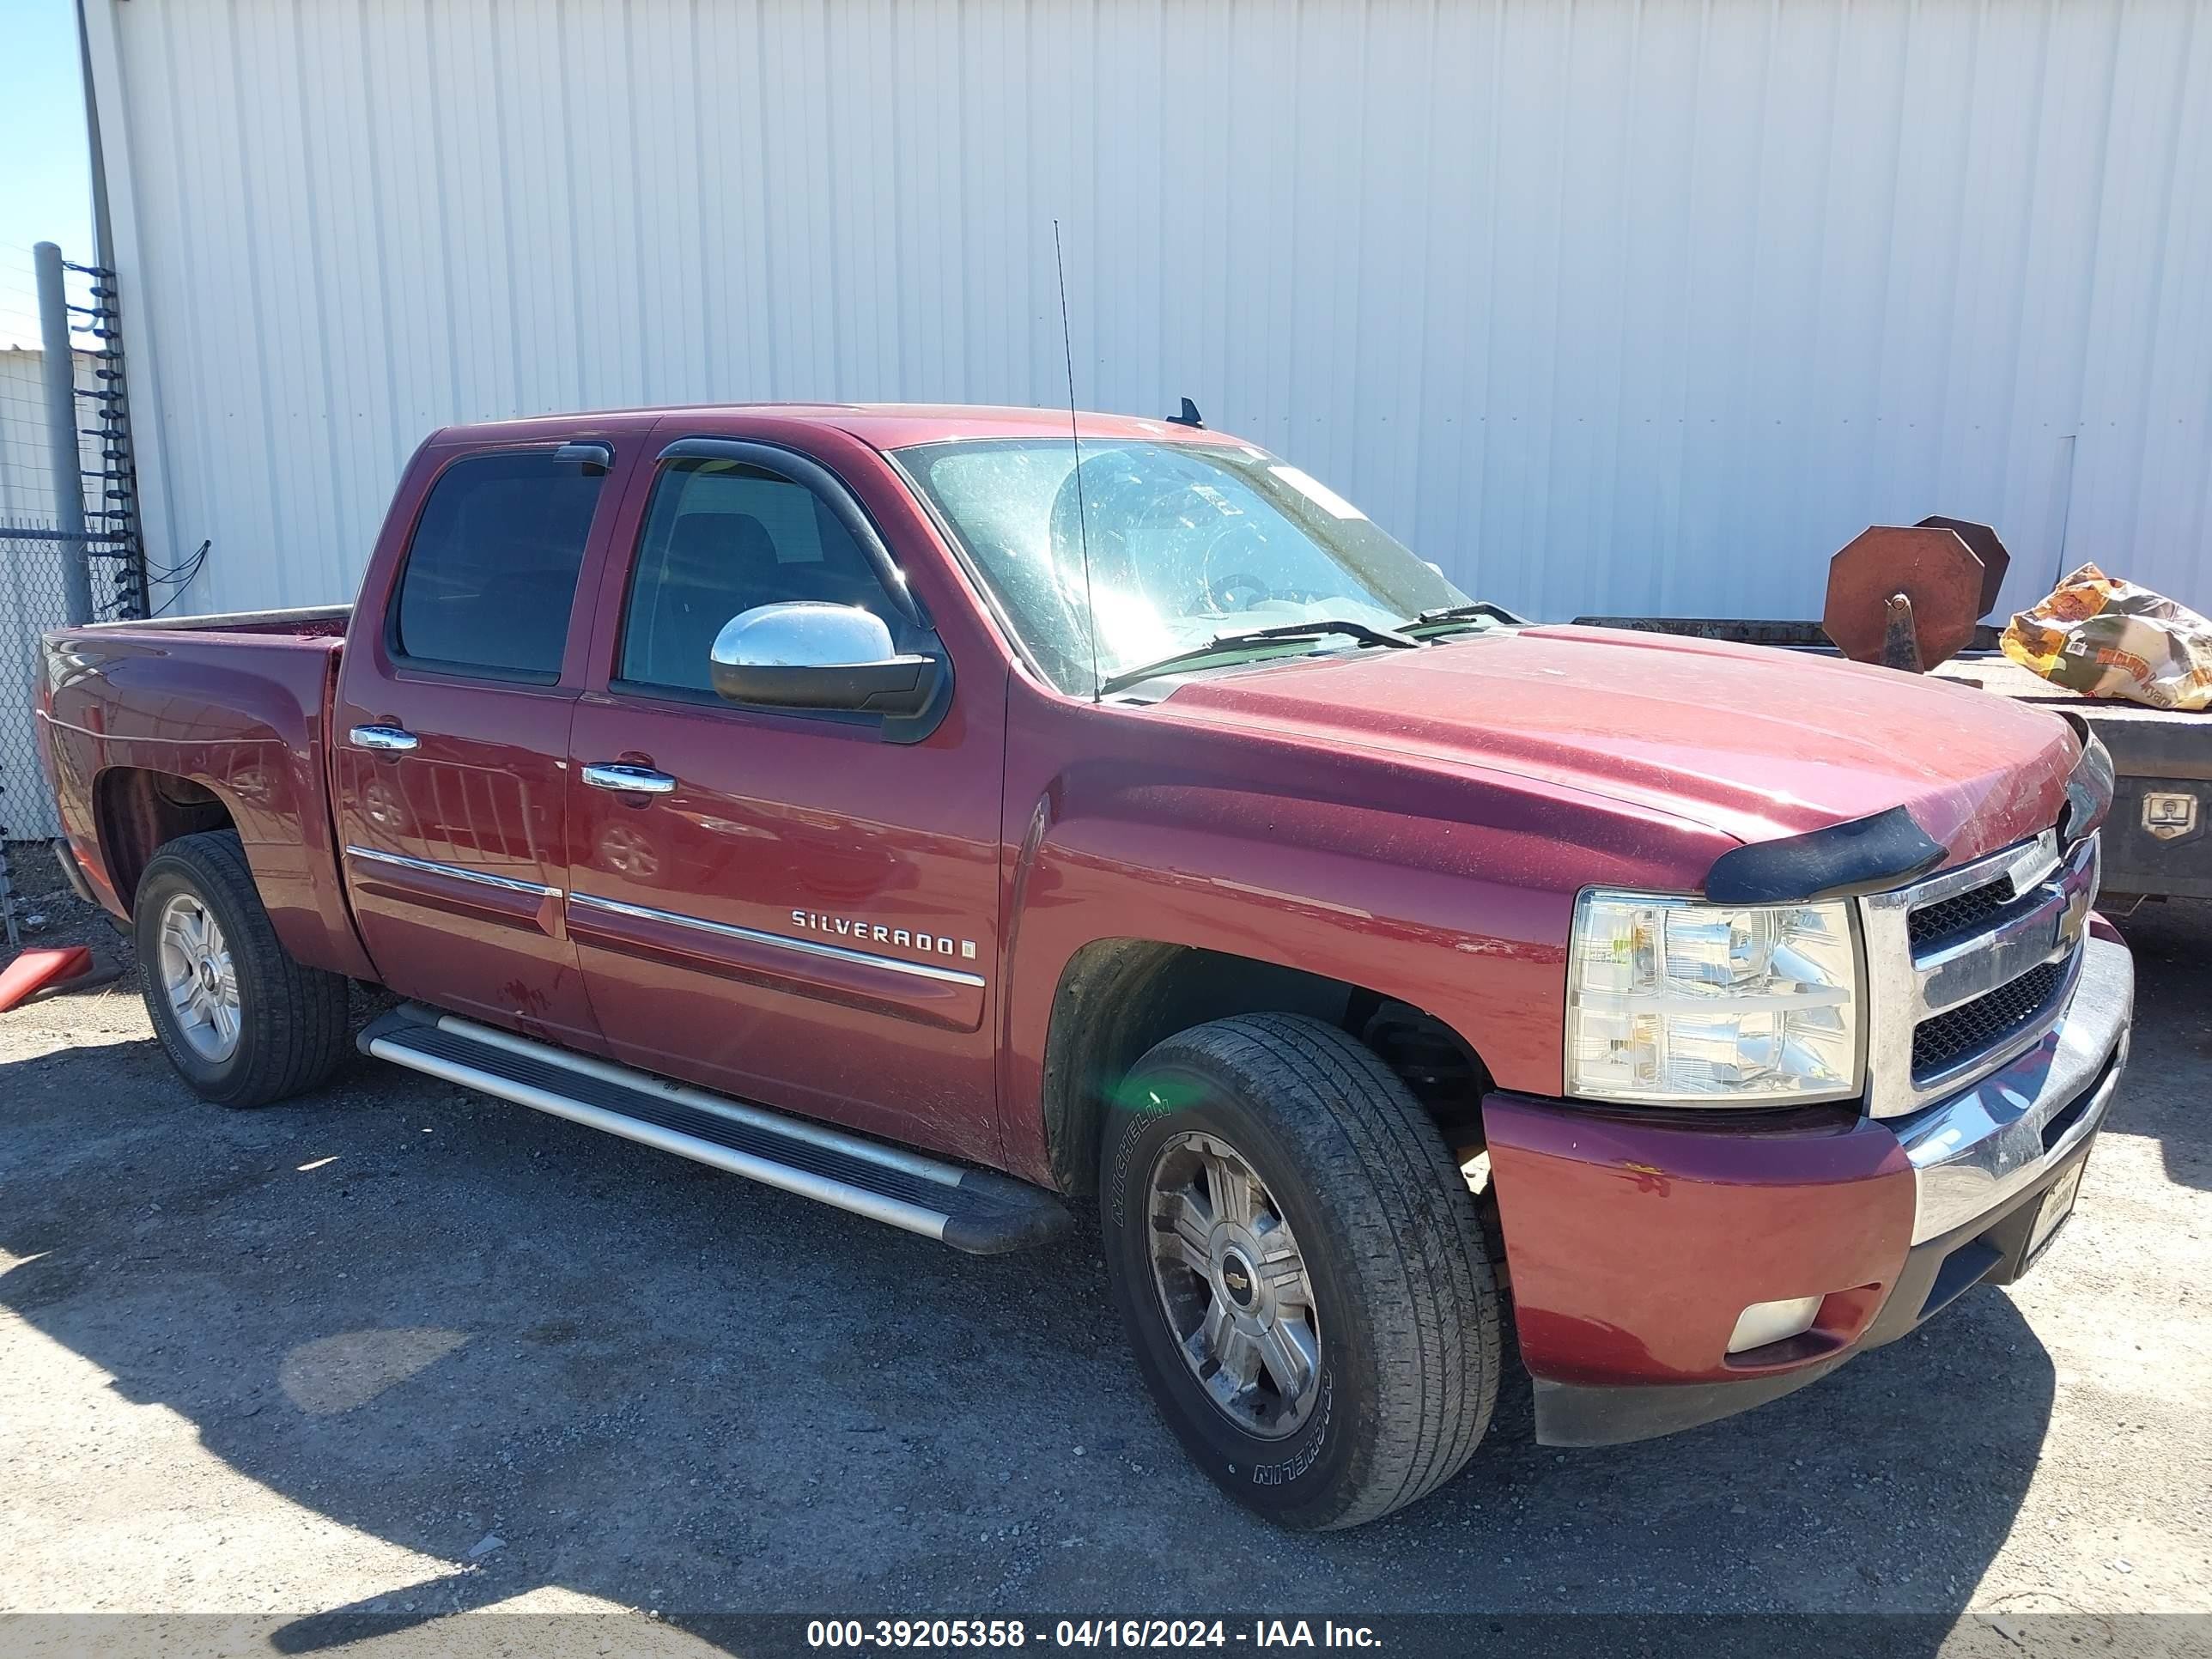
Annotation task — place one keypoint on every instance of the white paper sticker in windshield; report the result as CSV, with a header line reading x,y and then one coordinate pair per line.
x,y
1317,492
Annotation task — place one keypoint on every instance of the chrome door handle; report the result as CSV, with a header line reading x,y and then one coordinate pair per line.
x,y
386,739
628,780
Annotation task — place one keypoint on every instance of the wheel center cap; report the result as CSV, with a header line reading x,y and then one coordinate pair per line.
x,y
1240,1281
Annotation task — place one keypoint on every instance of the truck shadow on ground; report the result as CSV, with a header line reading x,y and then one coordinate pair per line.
x,y
438,1320
2164,1095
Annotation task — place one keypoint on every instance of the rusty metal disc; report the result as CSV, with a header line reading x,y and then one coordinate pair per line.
x,y
1982,542
1931,565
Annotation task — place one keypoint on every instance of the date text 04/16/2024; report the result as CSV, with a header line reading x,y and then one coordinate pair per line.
x,y
1084,1633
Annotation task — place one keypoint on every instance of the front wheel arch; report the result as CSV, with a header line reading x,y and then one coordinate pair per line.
x,y
1116,998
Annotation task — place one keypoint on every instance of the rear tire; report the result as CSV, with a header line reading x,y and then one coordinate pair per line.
x,y
1374,1290
242,1022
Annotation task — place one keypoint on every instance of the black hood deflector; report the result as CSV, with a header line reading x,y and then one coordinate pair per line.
x,y
1862,855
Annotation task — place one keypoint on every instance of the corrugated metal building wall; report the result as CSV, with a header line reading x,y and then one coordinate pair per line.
x,y
1622,306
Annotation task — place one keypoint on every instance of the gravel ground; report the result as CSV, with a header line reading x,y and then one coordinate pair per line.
x,y
397,1349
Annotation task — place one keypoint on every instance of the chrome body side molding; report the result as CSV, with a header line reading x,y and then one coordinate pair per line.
x,y
456,872
782,941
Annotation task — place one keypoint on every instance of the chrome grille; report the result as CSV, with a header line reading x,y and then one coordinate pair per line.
x,y
1940,1043
1969,967
1932,924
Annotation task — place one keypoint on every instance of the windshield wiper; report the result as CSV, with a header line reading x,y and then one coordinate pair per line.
x,y
1282,633
1445,617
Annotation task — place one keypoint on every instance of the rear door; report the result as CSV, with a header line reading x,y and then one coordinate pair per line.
x,y
452,738
806,915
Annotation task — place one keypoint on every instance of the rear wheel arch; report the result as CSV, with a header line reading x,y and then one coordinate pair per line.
x,y
137,811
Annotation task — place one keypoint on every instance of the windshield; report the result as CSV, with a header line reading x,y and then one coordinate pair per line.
x,y
1187,542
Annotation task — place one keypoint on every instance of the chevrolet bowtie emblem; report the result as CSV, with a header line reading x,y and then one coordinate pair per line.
x,y
2075,916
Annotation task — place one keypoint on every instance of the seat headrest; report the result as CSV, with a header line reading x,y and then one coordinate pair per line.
x,y
702,546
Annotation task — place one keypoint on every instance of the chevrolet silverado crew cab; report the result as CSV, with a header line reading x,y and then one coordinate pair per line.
x,y
946,813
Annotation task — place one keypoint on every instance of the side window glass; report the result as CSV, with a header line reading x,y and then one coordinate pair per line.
x,y
720,538
490,576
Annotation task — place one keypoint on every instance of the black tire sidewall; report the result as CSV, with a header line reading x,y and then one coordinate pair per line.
x,y
1304,1479
171,872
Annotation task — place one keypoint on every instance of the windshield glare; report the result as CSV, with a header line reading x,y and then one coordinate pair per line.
x,y
1186,540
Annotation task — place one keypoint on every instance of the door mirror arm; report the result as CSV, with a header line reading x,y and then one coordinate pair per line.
x,y
829,659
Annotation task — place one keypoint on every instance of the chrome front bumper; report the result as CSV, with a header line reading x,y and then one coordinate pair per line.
x,y
1972,1151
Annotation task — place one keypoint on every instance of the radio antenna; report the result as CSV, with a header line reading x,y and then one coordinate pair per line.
x,y
1075,437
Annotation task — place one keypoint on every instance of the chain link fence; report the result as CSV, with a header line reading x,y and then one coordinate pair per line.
x,y
33,598
40,543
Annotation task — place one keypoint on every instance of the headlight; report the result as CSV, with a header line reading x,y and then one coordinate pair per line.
x,y
1673,1001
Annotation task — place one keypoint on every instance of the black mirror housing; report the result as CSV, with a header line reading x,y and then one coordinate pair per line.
x,y
896,685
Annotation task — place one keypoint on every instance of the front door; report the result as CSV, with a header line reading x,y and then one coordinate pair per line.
x,y
452,744
788,907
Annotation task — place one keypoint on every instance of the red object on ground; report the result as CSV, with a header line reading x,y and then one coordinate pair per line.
x,y
35,970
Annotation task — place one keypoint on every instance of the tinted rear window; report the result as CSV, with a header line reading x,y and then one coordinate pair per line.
x,y
491,575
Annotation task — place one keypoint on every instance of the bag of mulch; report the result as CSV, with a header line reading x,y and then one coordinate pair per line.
x,y
2108,638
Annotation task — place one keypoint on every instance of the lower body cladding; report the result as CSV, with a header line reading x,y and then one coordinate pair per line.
x,y
1670,1270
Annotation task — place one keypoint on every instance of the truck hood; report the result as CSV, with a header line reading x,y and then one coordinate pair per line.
x,y
1752,742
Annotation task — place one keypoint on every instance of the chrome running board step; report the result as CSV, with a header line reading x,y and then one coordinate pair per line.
x,y
977,1210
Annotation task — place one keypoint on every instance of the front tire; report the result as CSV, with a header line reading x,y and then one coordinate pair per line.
x,y
242,1022
1300,1268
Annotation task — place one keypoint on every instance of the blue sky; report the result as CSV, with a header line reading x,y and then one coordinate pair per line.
x,y
46,188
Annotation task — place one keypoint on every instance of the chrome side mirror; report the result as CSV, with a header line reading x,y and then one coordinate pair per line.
x,y
811,655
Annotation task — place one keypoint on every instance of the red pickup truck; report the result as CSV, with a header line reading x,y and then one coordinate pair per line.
x,y
943,813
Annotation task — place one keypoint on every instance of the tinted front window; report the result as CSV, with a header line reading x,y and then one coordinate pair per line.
x,y
720,539
491,573
1185,541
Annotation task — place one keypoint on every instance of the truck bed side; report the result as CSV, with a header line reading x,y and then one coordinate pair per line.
x,y
151,731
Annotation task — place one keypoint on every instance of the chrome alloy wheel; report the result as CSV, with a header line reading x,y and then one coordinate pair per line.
x,y
1233,1286
198,979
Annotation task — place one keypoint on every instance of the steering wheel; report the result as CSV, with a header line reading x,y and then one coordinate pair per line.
x,y
1223,591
